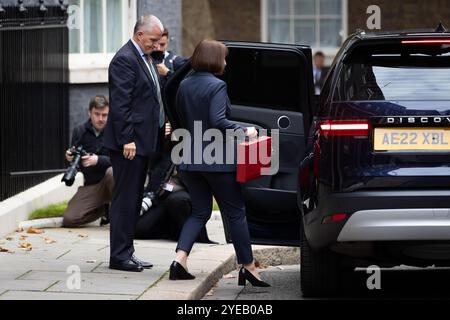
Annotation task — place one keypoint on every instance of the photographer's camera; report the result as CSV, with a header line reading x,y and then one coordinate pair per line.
x,y
71,172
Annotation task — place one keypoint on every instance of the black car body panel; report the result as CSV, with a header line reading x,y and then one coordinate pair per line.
x,y
393,84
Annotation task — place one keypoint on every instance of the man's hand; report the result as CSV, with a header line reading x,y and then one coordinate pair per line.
x,y
168,129
252,132
89,160
69,156
162,69
129,151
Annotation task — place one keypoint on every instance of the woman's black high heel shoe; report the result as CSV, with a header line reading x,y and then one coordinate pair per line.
x,y
177,272
244,275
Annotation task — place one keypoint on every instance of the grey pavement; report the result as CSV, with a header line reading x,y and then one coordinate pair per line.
x,y
400,282
284,281
50,269
72,264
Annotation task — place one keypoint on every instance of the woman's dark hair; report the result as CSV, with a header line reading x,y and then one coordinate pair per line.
x,y
209,56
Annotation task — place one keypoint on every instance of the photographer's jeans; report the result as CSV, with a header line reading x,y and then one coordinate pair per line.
x,y
129,177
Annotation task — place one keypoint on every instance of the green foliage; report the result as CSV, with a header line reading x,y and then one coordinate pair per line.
x,y
54,210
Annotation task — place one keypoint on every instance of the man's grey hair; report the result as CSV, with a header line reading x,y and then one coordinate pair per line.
x,y
147,23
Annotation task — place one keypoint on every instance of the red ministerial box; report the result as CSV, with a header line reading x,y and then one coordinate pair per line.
x,y
252,156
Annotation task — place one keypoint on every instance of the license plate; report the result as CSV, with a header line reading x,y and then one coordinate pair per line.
x,y
429,139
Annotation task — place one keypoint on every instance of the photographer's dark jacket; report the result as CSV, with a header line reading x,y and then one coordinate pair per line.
x,y
84,135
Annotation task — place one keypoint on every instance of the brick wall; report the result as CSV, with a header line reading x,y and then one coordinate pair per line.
x,y
219,19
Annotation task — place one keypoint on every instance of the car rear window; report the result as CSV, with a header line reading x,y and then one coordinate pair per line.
x,y
411,73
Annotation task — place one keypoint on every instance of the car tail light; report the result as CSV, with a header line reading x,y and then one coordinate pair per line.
x,y
426,41
316,163
334,218
345,128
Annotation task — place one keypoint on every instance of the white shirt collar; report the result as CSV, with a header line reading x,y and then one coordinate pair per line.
x,y
138,48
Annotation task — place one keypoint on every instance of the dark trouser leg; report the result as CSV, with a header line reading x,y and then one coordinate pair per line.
x,y
228,194
201,199
129,178
149,225
178,207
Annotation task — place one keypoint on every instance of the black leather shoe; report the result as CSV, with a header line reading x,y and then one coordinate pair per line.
x,y
127,265
143,264
203,237
177,272
244,275
105,219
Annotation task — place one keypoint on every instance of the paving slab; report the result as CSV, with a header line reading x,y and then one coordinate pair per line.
x,y
33,295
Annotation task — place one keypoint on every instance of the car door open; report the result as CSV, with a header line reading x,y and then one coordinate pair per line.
x,y
270,87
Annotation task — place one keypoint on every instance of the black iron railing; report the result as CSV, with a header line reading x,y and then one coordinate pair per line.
x,y
34,105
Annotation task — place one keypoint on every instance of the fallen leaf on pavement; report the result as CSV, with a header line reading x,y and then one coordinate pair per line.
x,y
210,292
5,250
26,246
22,238
229,276
82,235
19,229
49,240
9,238
35,231
260,265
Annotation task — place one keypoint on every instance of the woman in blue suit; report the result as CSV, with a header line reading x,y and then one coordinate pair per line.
x,y
202,104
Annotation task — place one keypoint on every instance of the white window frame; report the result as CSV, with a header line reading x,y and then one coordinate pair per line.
x,y
93,67
329,52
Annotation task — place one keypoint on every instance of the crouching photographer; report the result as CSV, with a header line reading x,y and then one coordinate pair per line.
x,y
91,200
166,204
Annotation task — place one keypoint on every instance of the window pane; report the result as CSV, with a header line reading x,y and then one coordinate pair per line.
x,y
303,7
114,25
278,7
74,34
330,7
252,76
93,26
279,31
383,73
305,32
329,32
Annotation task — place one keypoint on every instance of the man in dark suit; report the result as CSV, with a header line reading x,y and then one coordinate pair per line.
x,y
319,71
133,132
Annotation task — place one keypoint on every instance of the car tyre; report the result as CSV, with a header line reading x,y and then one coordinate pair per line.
x,y
319,271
